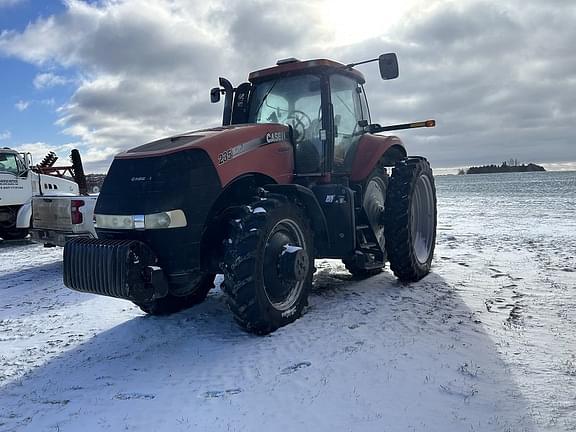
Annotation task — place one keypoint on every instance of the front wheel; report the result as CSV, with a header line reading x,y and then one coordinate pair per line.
x,y
410,219
14,234
172,303
268,265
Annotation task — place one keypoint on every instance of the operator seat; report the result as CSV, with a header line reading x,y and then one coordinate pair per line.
x,y
309,149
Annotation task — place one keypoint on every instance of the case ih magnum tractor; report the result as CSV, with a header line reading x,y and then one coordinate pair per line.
x,y
296,172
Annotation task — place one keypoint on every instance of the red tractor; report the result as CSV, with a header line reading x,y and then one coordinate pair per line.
x,y
295,172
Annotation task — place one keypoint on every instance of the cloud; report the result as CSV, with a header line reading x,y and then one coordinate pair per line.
x,y
6,135
89,156
48,102
482,71
498,77
48,80
22,105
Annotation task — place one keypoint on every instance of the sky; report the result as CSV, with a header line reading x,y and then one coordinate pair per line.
x,y
499,77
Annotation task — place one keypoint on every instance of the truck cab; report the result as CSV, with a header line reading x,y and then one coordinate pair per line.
x,y
16,189
19,182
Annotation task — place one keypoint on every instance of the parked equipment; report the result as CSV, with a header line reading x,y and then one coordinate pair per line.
x,y
58,219
20,180
295,172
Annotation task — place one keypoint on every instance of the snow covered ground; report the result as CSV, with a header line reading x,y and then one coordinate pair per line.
x,y
484,343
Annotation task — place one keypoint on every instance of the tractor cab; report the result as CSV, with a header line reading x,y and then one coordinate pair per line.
x,y
322,101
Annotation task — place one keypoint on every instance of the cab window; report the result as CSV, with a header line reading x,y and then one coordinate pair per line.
x,y
8,163
273,108
348,111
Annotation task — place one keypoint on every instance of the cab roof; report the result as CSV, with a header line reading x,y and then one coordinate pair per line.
x,y
293,66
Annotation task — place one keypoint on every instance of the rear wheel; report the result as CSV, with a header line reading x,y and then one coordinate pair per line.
x,y
172,303
410,219
268,265
373,203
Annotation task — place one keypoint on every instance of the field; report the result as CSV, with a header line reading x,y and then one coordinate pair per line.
x,y
484,343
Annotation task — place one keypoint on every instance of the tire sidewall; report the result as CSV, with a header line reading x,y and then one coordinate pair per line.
x,y
423,170
278,317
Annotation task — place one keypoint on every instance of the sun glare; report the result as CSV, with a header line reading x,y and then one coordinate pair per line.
x,y
354,21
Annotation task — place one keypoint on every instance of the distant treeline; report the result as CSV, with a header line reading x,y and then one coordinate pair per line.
x,y
504,168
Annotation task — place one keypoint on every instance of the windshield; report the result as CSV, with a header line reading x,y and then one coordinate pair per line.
x,y
8,163
297,102
277,101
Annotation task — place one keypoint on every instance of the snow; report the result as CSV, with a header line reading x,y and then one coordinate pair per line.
x,y
290,249
484,343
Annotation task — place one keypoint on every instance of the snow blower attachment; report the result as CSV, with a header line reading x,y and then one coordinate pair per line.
x,y
296,172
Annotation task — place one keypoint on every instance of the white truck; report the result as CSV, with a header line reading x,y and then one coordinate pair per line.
x,y
20,181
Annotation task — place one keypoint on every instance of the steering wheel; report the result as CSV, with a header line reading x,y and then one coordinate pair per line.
x,y
300,122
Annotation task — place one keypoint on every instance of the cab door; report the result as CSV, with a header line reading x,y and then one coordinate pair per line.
x,y
15,184
349,108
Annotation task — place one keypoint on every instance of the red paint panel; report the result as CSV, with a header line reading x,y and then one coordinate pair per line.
x,y
370,150
275,159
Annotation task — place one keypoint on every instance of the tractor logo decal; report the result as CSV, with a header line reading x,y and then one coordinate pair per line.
x,y
272,137
234,152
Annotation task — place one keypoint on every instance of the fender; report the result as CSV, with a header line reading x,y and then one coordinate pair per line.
x,y
24,215
236,193
313,209
370,150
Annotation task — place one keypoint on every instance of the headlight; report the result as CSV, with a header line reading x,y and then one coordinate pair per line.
x,y
169,219
114,221
162,220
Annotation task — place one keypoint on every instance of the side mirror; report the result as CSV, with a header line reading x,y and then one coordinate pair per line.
x,y
27,159
388,66
215,95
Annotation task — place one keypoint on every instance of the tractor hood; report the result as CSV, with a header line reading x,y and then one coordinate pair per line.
x,y
233,150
